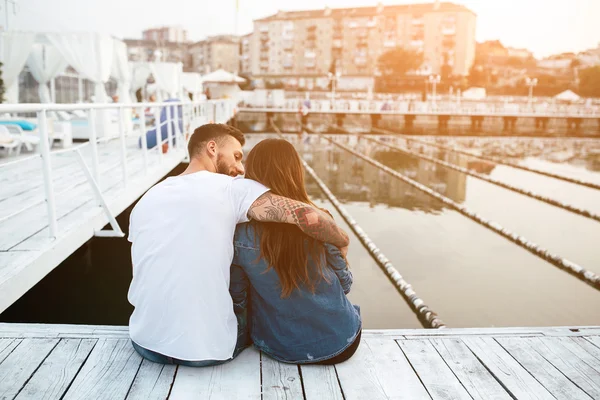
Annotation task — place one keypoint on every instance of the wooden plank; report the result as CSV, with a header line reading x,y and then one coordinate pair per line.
x,y
549,376
472,374
61,330
569,364
594,340
58,370
108,372
584,350
379,370
153,381
438,378
320,382
280,380
6,347
506,369
18,367
237,379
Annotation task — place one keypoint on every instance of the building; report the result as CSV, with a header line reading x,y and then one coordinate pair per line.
x,y
246,54
215,52
299,46
150,50
175,34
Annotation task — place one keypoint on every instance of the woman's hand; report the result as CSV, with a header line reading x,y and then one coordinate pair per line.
x,y
344,251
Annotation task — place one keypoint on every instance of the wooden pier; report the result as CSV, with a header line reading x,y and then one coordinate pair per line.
x,y
98,362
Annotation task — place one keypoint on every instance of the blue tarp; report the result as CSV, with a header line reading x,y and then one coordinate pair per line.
x,y
164,130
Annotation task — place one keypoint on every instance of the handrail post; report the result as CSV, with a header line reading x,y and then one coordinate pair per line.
x,y
47,171
178,132
158,134
123,145
169,128
94,145
142,126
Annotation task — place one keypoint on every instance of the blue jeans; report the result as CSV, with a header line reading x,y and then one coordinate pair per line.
x,y
243,341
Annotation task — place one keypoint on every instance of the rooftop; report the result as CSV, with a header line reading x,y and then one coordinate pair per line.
x,y
367,11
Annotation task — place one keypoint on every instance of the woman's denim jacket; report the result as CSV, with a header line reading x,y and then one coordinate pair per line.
x,y
303,327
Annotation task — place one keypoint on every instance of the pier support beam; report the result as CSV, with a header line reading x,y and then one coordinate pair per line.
x,y
476,122
541,123
339,120
574,125
409,121
443,122
375,118
510,123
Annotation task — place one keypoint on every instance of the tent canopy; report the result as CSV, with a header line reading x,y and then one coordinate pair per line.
x,y
222,76
567,95
474,93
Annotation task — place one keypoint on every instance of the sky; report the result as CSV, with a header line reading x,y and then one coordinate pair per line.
x,y
543,26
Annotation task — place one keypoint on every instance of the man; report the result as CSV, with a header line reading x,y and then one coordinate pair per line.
x,y
182,233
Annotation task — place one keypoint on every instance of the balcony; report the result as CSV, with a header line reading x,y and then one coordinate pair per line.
x,y
389,43
418,22
353,25
417,43
288,45
449,43
310,54
363,34
337,43
287,35
263,29
371,23
288,65
337,34
264,65
264,56
311,37
264,47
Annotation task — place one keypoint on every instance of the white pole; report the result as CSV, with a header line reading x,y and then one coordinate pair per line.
x,y
142,123
178,132
123,145
158,134
53,90
94,144
47,171
80,88
169,128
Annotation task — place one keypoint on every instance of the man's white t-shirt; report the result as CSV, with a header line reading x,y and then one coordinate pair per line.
x,y
182,234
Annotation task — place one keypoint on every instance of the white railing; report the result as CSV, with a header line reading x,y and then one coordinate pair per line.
x,y
439,108
193,114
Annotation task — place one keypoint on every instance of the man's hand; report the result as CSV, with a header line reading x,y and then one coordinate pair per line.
x,y
312,221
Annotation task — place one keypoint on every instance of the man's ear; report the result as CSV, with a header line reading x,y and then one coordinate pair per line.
x,y
211,147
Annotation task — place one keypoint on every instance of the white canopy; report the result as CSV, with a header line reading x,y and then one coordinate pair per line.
x,y
90,54
45,63
567,95
121,71
168,77
14,50
192,83
222,76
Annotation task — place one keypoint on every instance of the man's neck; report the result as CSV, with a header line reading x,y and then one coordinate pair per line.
x,y
199,164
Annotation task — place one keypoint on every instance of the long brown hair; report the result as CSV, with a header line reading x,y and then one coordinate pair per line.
x,y
276,164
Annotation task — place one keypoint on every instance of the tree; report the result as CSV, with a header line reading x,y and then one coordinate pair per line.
x,y
399,61
589,82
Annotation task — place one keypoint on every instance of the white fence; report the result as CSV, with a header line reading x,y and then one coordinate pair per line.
x,y
193,114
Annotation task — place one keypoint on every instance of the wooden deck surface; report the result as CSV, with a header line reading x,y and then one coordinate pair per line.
x,y
98,362
27,252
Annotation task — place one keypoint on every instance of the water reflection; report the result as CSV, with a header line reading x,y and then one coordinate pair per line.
x,y
466,273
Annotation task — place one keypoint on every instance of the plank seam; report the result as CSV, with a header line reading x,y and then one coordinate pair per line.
x,y
413,368
447,365
301,382
172,382
337,376
136,374
18,344
491,372
78,371
37,368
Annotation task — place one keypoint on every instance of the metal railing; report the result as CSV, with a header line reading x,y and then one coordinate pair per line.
x,y
405,107
193,114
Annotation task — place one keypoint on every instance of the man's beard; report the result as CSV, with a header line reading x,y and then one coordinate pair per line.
x,y
222,167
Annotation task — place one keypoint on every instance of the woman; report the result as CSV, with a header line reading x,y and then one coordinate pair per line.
x,y
293,286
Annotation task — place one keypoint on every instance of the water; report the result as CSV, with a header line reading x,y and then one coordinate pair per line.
x,y
466,273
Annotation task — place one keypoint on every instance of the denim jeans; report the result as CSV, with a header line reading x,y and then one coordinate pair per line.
x,y
243,341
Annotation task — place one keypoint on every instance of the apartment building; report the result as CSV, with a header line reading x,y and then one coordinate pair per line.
x,y
148,50
246,44
174,34
215,52
302,45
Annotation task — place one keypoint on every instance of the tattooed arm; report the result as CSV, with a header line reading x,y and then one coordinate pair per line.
x,y
312,221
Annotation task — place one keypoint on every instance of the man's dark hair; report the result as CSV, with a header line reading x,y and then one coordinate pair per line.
x,y
208,132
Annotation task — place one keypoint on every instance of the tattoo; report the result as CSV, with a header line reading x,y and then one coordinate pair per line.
x,y
273,208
